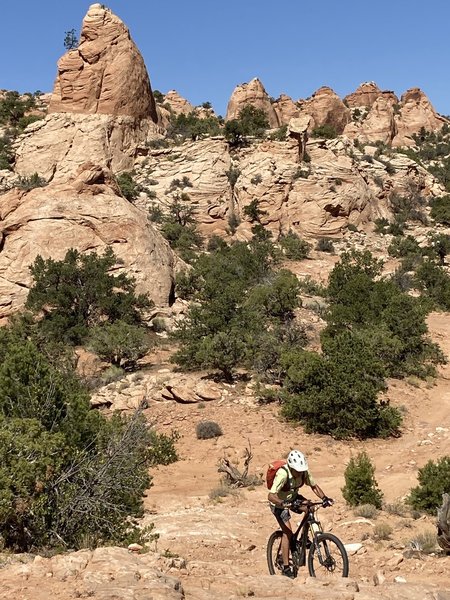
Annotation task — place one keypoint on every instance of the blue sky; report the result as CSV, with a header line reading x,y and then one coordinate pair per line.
x,y
203,49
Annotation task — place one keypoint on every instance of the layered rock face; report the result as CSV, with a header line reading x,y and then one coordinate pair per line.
x,y
378,124
254,94
86,213
105,74
58,145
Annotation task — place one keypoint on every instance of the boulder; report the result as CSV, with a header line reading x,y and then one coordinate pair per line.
x,y
86,213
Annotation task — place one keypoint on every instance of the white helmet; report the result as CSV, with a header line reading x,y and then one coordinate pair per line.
x,y
296,460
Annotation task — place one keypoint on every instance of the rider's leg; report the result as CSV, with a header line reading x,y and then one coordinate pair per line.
x,y
283,518
285,542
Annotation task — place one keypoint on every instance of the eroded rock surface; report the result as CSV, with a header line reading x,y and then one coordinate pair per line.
x,y
86,213
254,94
105,74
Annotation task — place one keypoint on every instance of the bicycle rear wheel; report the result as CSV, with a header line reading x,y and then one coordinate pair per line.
x,y
274,558
327,557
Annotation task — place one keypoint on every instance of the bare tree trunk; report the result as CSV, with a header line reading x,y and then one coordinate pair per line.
x,y
443,524
233,475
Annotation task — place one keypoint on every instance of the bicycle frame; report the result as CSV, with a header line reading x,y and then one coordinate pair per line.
x,y
302,540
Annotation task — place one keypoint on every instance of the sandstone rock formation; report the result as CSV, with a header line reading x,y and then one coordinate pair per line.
x,y
85,213
205,164
285,109
326,108
378,125
102,107
56,146
364,95
416,112
318,198
254,94
105,74
177,103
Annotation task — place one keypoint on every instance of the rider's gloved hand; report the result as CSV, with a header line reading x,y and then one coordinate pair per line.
x,y
298,505
327,501
286,504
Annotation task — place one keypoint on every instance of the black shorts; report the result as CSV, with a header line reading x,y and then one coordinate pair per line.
x,y
282,515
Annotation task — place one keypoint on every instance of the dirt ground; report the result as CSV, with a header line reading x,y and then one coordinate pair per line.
x,y
228,534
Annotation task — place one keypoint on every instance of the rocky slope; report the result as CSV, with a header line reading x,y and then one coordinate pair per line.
x,y
215,548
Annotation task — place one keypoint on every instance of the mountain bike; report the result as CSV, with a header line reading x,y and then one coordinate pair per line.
x,y
326,557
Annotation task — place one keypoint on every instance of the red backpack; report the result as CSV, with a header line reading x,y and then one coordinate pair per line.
x,y
272,471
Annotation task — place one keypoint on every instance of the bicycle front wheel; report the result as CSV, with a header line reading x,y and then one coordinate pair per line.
x,y
274,558
327,557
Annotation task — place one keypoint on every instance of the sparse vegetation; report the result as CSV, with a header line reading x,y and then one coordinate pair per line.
x,y
367,511
360,484
425,542
293,247
382,531
325,245
206,430
434,480
31,182
326,131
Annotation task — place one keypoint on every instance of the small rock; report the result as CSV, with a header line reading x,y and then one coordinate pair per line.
x,y
379,578
352,548
399,579
134,548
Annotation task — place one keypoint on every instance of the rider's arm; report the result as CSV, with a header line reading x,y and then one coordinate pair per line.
x,y
275,499
318,491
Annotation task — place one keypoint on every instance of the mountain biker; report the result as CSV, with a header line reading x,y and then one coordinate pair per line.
x,y
284,493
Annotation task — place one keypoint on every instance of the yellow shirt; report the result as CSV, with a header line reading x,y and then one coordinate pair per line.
x,y
283,475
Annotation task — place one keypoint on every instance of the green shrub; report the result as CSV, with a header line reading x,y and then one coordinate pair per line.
x,y
162,449
256,179
279,135
119,343
130,189
440,209
325,245
206,430
253,212
31,182
434,480
352,227
360,483
326,131
192,126
404,246
294,248
69,476
233,174
78,293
